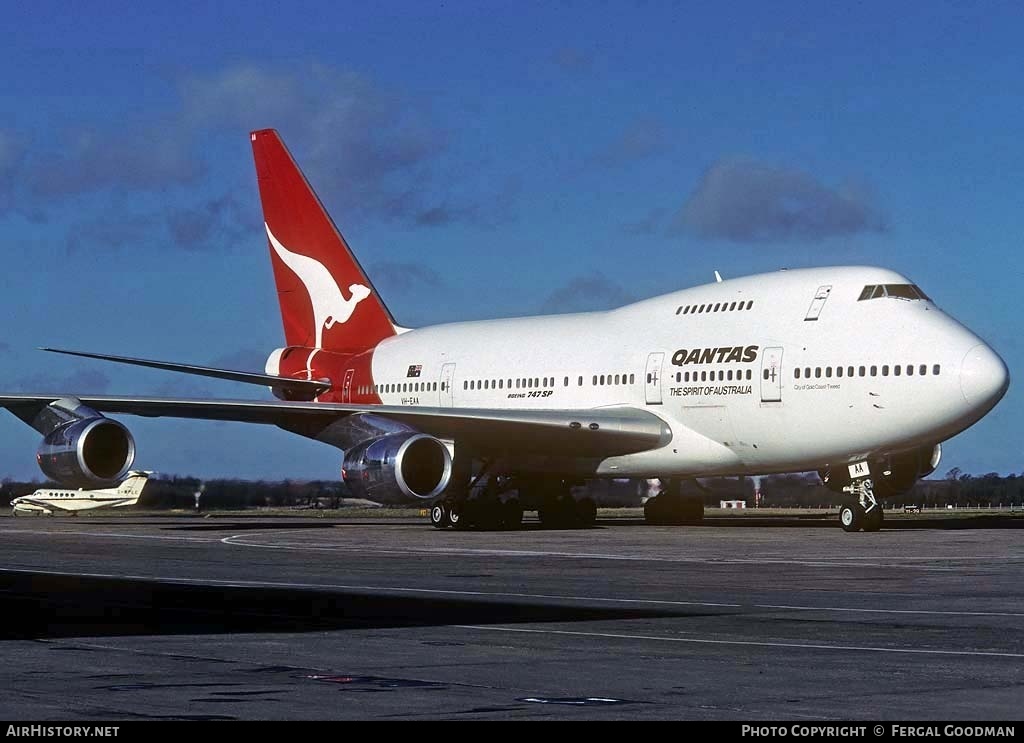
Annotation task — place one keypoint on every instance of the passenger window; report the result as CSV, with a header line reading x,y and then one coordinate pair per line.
x,y
686,377
922,370
616,379
849,371
729,375
885,370
828,372
721,375
936,369
581,381
632,378
750,304
897,370
910,370
732,307
807,372
748,375
839,371
717,306
701,308
501,384
796,372
679,310
703,376
860,371
817,372
764,374
594,383
874,371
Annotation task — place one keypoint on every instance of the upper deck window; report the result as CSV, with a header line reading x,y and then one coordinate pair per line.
x,y
900,291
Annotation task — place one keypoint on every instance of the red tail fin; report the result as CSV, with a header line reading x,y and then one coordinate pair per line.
x,y
326,299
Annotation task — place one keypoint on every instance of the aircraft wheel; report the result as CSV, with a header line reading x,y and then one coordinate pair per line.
x,y
557,512
653,511
691,511
873,519
850,518
586,512
456,516
512,513
488,515
439,516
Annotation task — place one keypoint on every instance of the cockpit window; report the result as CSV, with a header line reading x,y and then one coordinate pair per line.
x,y
900,291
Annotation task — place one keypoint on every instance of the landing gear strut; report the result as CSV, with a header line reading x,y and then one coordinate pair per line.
x,y
866,512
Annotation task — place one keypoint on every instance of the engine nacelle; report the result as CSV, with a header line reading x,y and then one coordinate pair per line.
x,y
892,475
397,467
91,452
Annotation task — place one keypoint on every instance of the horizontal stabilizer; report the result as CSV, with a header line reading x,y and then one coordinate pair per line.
x,y
308,387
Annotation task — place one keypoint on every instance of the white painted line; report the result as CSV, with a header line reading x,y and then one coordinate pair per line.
x,y
244,540
115,535
751,643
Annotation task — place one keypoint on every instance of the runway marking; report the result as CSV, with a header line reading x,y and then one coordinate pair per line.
x,y
242,540
115,535
511,595
750,643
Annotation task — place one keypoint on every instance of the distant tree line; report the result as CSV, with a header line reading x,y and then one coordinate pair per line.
x,y
803,490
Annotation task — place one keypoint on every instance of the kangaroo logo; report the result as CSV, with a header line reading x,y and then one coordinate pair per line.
x,y
329,305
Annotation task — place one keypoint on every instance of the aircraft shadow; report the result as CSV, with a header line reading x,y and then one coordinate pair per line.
x,y
38,606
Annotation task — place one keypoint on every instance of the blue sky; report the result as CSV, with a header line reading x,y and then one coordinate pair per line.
x,y
485,160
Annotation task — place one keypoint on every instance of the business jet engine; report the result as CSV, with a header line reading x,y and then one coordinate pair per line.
x,y
399,466
891,475
88,452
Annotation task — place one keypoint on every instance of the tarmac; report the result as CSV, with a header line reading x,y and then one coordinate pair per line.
x,y
366,618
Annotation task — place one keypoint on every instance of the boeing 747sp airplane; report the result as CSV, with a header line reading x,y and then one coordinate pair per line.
x,y
851,371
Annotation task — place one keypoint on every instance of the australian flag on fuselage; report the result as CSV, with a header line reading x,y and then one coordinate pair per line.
x,y
414,370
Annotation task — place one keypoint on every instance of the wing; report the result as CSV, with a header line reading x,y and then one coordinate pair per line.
x,y
602,432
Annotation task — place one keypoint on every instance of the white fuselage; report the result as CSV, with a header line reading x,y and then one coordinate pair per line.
x,y
753,375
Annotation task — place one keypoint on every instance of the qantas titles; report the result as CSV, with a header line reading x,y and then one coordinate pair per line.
x,y
721,355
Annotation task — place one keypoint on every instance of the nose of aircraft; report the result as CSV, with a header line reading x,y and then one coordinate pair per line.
x,y
983,377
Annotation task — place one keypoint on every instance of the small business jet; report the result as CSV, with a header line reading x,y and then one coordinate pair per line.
x,y
48,500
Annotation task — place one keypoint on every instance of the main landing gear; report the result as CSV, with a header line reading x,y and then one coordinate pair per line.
x,y
491,503
865,512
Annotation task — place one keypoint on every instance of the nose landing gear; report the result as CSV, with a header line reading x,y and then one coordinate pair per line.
x,y
865,512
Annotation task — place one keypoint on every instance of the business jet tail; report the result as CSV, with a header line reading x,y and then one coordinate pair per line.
x,y
326,299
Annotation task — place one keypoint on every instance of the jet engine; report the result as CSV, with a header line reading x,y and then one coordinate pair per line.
x,y
89,452
892,475
397,467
